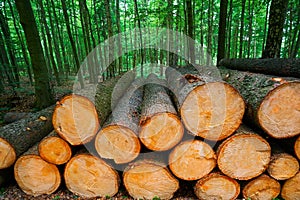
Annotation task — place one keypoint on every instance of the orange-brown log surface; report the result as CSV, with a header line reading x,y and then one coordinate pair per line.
x,y
291,188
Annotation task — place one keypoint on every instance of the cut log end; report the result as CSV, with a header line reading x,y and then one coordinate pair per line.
x,y
192,160
283,166
291,188
244,156
217,186
213,111
262,188
118,143
7,154
161,132
36,176
147,180
89,176
55,150
297,147
75,119
279,113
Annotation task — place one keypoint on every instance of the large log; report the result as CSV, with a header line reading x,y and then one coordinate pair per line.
x,y
160,127
118,139
272,102
217,186
89,176
272,66
192,160
291,188
148,180
209,108
19,136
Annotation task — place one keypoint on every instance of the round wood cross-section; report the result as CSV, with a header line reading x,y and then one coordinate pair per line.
x,y
7,154
291,188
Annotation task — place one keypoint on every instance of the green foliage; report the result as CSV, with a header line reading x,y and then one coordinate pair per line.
x,y
2,191
56,197
156,198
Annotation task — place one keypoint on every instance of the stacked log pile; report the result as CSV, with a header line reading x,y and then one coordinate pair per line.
x,y
186,128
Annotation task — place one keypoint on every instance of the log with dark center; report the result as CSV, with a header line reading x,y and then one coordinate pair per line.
x,y
291,188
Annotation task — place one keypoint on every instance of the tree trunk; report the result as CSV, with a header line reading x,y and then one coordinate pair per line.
x,y
222,30
19,136
90,177
190,31
217,186
161,129
262,188
242,29
210,33
149,180
209,108
273,66
267,104
118,18
291,188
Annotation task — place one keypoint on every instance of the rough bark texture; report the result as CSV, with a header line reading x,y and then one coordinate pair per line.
x,y
272,102
273,66
19,136
217,186
192,160
262,188
297,147
209,108
291,188
148,180
89,176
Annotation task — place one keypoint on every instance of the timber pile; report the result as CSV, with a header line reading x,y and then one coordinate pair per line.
x,y
167,132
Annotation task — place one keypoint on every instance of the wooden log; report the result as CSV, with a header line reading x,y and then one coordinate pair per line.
x,y
118,139
209,108
244,155
283,166
89,176
54,149
272,103
291,188
14,116
217,186
262,188
19,136
297,147
75,119
192,160
148,180
161,128
272,66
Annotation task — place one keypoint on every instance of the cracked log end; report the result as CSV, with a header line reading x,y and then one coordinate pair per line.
x,y
217,186
192,159
89,176
7,154
75,119
279,112
36,176
147,180
213,111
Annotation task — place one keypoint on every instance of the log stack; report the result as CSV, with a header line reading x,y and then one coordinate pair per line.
x,y
164,133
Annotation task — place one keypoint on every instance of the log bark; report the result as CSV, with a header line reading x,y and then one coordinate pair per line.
x,y
271,66
161,128
89,176
192,160
19,136
148,180
217,186
291,188
209,108
244,155
118,140
297,147
75,119
272,102
262,188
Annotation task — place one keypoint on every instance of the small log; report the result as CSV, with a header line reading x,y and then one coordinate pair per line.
x,y
291,188
192,160
297,147
272,66
262,188
209,108
118,138
161,129
148,180
89,176
244,155
283,166
19,136
54,149
272,102
75,119
217,186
